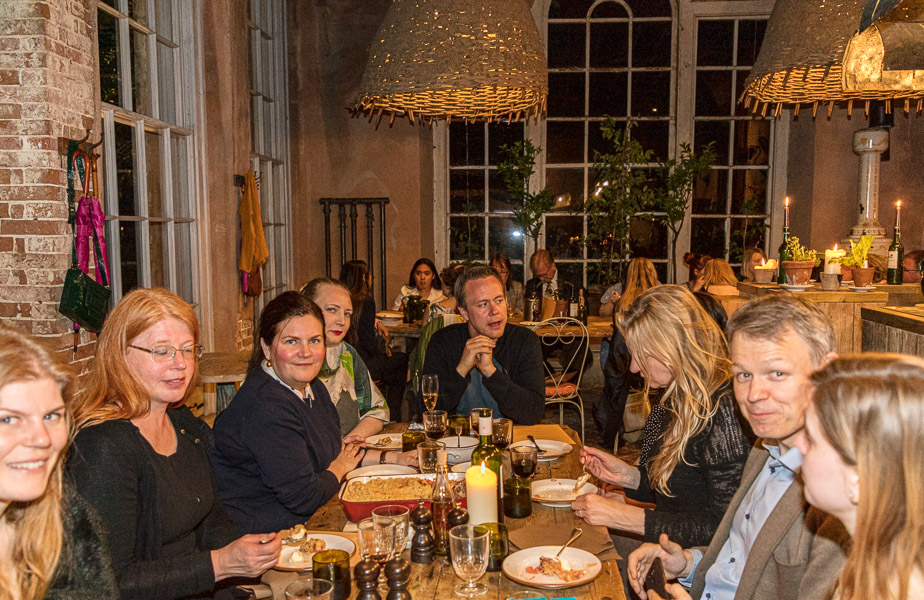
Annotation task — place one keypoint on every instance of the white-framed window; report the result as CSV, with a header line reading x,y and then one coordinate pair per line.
x,y
270,139
148,50
637,59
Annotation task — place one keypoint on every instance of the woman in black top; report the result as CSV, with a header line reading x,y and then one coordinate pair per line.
x,y
278,453
695,445
144,466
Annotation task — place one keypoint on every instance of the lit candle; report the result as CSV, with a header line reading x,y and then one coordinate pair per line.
x,y
481,494
898,214
833,267
767,264
786,208
763,273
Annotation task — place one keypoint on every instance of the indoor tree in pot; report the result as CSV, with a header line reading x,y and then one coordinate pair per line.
x,y
621,192
799,268
853,265
672,197
516,166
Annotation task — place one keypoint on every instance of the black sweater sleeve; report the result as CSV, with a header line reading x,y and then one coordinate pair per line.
x,y
107,467
519,389
442,358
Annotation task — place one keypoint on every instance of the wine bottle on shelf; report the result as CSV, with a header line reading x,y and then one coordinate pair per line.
x,y
486,452
582,308
896,253
441,503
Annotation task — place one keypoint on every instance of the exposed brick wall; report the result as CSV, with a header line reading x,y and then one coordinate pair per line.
x,y
47,89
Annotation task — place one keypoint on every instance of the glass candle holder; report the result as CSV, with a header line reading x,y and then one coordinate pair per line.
x,y
497,544
334,566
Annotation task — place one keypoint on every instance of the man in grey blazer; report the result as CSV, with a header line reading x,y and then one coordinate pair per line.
x,y
770,545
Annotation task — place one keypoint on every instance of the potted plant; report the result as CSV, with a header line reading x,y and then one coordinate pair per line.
x,y
620,194
799,268
672,197
516,167
853,264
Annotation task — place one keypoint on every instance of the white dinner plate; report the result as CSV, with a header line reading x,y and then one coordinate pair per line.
x,y
461,467
393,441
794,288
553,449
515,566
868,288
334,542
381,470
559,493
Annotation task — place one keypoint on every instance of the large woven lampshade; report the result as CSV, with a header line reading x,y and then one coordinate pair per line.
x,y
812,53
456,59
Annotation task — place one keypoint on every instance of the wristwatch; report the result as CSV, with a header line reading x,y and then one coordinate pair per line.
x,y
382,456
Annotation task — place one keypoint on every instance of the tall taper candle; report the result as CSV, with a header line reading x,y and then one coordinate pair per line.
x,y
898,213
786,208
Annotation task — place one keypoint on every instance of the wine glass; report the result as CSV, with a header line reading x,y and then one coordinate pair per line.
x,y
469,550
430,388
524,461
401,516
430,455
377,541
503,430
436,423
473,418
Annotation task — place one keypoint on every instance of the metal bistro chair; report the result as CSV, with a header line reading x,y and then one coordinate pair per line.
x,y
568,337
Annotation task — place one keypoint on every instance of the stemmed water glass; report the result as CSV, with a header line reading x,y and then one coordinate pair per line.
x,y
377,541
400,515
469,550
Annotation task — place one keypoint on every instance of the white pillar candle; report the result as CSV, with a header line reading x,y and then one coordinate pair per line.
x,y
481,494
833,267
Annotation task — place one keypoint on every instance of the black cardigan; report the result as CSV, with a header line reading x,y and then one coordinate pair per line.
x,y
110,467
519,389
701,490
272,450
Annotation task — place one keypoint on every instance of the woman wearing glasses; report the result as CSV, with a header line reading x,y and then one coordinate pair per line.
x,y
140,458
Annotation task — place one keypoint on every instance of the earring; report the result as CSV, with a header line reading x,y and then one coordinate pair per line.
x,y
269,363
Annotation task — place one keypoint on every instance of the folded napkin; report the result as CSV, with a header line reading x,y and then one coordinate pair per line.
x,y
595,539
541,432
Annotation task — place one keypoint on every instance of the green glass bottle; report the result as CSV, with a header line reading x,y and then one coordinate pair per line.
x,y
582,308
486,452
896,258
784,255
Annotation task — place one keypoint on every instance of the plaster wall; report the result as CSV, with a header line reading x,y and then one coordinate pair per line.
x,y
334,154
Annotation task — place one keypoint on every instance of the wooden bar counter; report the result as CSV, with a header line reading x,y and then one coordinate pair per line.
x,y
843,307
894,329
436,580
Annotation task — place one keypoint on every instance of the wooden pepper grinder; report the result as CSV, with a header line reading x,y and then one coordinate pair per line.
x,y
366,574
422,547
398,572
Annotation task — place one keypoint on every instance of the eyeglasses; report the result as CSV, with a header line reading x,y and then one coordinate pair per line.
x,y
166,353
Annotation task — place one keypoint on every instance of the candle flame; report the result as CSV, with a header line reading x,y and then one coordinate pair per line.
x,y
786,201
898,204
482,467
835,247
763,263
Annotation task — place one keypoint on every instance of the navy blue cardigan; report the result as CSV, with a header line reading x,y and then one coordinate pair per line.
x,y
272,450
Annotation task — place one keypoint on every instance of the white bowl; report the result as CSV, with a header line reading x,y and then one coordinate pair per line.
x,y
462,453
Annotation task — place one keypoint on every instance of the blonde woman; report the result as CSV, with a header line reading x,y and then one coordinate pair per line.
x,y
694,445
640,276
717,278
862,446
140,459
751,258
50,541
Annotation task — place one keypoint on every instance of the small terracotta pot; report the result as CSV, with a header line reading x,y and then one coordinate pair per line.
x,y
798,272
764,275
862,277
847,272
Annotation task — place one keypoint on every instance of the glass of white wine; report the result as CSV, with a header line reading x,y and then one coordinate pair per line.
x,y
430,388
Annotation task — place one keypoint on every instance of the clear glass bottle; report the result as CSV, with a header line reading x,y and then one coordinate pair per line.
x,y
441,503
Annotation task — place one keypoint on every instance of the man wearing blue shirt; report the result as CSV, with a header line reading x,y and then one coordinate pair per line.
x,y
771,544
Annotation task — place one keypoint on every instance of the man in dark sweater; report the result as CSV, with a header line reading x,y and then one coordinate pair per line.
x,y
486,362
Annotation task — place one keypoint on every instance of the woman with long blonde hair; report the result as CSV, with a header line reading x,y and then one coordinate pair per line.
x,y
694,446
140,459
862,446
640,276
717,278
50,542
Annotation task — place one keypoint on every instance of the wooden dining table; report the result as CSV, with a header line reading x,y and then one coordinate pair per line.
x,y
437,579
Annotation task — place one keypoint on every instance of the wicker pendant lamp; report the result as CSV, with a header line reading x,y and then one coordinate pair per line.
x,y
456,59
813,54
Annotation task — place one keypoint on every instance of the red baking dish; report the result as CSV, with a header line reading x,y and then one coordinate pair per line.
x,y
357,511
